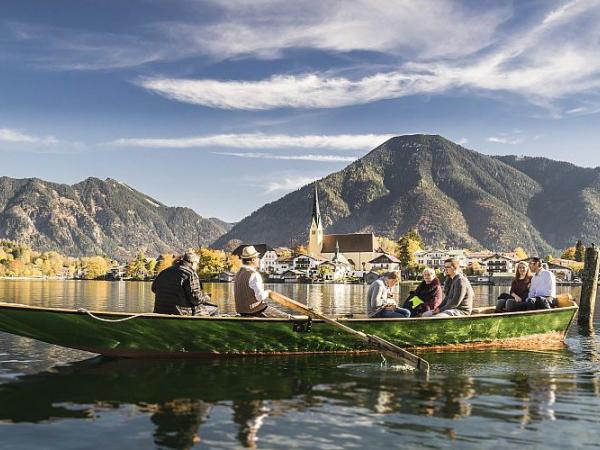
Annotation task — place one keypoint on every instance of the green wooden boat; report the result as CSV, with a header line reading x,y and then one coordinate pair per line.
x,y
155,335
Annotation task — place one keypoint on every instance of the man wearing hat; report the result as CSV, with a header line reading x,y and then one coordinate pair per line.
x,y
250,294
178,290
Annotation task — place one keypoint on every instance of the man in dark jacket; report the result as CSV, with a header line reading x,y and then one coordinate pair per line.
x,y
178,290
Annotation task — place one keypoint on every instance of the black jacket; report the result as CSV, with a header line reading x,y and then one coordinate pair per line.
x,y
178,290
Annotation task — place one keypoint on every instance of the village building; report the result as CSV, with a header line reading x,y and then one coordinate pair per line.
x,y
499,263
435,258
358,248
385,263
562,273
335,269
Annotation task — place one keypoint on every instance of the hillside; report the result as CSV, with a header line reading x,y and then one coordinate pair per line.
x,y
452,195
97,217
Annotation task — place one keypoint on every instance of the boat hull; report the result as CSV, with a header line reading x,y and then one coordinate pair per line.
x,y
156,335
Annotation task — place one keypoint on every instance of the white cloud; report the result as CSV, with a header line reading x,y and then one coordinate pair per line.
x,y
315,158
18,137
262,141
548,61
505,140
265,30
410,28
289,183
463,141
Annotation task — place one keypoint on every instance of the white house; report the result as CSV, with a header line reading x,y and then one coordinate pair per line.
x,y
562,273
435,258
385,262
498,263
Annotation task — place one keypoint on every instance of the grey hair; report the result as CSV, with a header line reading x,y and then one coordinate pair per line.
x,y
429,270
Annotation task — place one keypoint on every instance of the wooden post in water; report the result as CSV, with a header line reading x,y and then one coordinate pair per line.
x,y
588,289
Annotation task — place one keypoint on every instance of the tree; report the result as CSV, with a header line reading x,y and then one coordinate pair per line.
x,y
569,253
299,250
233,263
164,261
388,245
520,253
409,243
136,269
94,267
579,251
212,262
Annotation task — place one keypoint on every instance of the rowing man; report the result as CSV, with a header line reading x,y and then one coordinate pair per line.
x,y
250,294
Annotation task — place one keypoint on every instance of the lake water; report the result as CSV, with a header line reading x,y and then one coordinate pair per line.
x,y
52,397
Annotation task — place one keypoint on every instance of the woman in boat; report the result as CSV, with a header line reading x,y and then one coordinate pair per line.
x,y
427,296
380,298
519,290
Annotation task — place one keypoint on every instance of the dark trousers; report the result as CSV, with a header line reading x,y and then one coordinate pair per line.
x,y
385,313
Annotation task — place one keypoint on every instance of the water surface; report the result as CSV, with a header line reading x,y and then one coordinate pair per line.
x,y
52,397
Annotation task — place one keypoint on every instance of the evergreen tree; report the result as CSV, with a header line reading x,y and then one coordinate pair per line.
x,y
579,251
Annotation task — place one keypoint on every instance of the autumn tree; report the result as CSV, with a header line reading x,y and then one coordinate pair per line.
x,y
409,243
137,269
212,262
520,253
164,261
569,253
388,245
94,267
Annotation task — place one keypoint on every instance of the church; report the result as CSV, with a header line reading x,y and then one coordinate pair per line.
x,y
359,249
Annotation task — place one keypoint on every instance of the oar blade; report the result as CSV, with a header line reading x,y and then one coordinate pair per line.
x,y
393,351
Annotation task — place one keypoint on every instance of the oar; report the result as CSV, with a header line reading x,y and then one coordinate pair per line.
x,y
377,343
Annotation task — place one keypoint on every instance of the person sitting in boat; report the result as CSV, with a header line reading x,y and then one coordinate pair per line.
x,y
427,296
542,292
519,290
458,293
380,298
178,289
249,292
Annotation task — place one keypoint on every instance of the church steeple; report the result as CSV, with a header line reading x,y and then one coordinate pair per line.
x,y
316,212
315,234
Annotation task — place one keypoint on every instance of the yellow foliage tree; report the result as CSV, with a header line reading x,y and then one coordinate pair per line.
x,y
388,245
164,261
520,253
212,262
569,253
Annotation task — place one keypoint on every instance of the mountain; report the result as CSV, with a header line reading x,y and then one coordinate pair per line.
x,y
453,196
98,217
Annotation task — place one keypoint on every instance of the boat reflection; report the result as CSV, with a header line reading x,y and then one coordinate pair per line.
x,y
180,396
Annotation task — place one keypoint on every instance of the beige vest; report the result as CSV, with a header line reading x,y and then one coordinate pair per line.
x,y
245,299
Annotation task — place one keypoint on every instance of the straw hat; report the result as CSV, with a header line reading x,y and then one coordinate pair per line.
x,y
249,252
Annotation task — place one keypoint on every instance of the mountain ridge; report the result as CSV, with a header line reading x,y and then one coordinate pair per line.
x,y
98,216
452,195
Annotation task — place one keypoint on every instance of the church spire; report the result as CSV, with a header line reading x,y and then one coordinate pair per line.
x,y
315,233
316,212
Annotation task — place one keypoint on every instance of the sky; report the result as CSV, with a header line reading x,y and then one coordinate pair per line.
x,y
223,106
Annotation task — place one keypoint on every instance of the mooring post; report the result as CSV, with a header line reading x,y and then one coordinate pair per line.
x,y
589,286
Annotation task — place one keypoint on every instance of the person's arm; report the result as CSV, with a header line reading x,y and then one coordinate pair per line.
x,y
256,284
377,295
193,292
455,296
438,297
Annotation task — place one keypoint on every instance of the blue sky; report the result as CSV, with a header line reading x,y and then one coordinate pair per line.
x,y
224,106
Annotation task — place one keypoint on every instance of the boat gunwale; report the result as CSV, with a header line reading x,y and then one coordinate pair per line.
x,y
292,318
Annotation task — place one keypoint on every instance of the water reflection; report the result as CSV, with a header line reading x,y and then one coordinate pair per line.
x,y
179,396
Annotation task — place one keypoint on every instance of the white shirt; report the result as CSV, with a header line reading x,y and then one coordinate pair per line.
x,y
256,284
543,284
